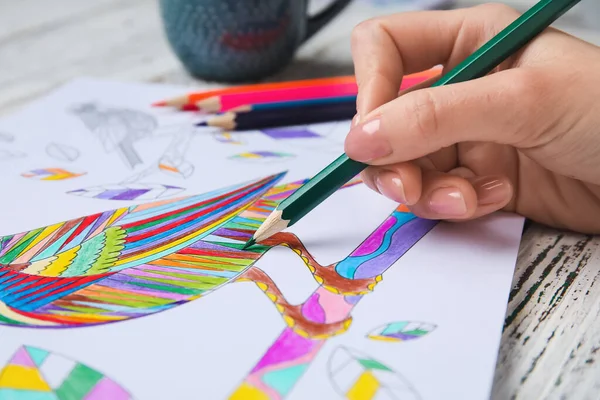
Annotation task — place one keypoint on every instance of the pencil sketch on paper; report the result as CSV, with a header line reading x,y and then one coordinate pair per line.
x,y
177,167
401,331
51,174
36,374
356,376
117,129
8,155
142,185
62,152
173,161
262,156
7,137
136,261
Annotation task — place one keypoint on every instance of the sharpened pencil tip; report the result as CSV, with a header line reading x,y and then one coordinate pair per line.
x,y
249,243
189,107
159,104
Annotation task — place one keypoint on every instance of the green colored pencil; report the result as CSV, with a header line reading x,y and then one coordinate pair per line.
x,y
498,49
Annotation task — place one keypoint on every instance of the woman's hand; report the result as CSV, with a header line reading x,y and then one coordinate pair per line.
x,y
525,138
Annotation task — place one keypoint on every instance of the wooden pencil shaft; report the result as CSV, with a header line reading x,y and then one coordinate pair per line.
x,y
480,63
270,121
319,188
299,110
299,120
299,103
294,116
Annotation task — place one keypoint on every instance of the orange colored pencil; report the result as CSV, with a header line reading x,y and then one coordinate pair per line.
x,y
228,101
192,98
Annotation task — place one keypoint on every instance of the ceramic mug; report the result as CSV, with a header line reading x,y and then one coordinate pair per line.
x,y
240,40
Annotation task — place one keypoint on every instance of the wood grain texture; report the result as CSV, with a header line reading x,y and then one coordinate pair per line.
x,y
551,342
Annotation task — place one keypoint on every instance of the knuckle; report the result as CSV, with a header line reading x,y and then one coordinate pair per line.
x,y
491,18
495,10
364,30
528,86
424,114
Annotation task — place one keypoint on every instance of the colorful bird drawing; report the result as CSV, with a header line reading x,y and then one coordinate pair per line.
x,y
136,261
124,263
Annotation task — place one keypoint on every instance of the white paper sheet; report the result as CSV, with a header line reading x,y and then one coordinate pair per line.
x,y
448,293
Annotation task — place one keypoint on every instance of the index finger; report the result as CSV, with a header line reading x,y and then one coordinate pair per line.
x,y
386,49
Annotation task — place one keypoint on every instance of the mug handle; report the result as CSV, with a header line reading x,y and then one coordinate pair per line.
x,y
318,21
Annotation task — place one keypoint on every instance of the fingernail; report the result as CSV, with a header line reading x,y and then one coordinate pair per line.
x,y
371,127
363,143
491,190
356,120
390,185
447,202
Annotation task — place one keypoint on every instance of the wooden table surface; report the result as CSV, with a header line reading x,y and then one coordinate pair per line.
x,y
551,341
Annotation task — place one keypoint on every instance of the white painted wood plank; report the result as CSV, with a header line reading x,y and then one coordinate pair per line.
x,y
25,17
124,42
551,318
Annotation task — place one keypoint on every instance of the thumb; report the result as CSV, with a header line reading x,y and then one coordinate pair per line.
x,y
506,108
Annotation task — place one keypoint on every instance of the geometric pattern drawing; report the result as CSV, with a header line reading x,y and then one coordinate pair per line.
x,y
290,133
227,137
131,191
36,374
261,156
356,376
62,152
401,331
51,174
324,138
149,258
117,129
